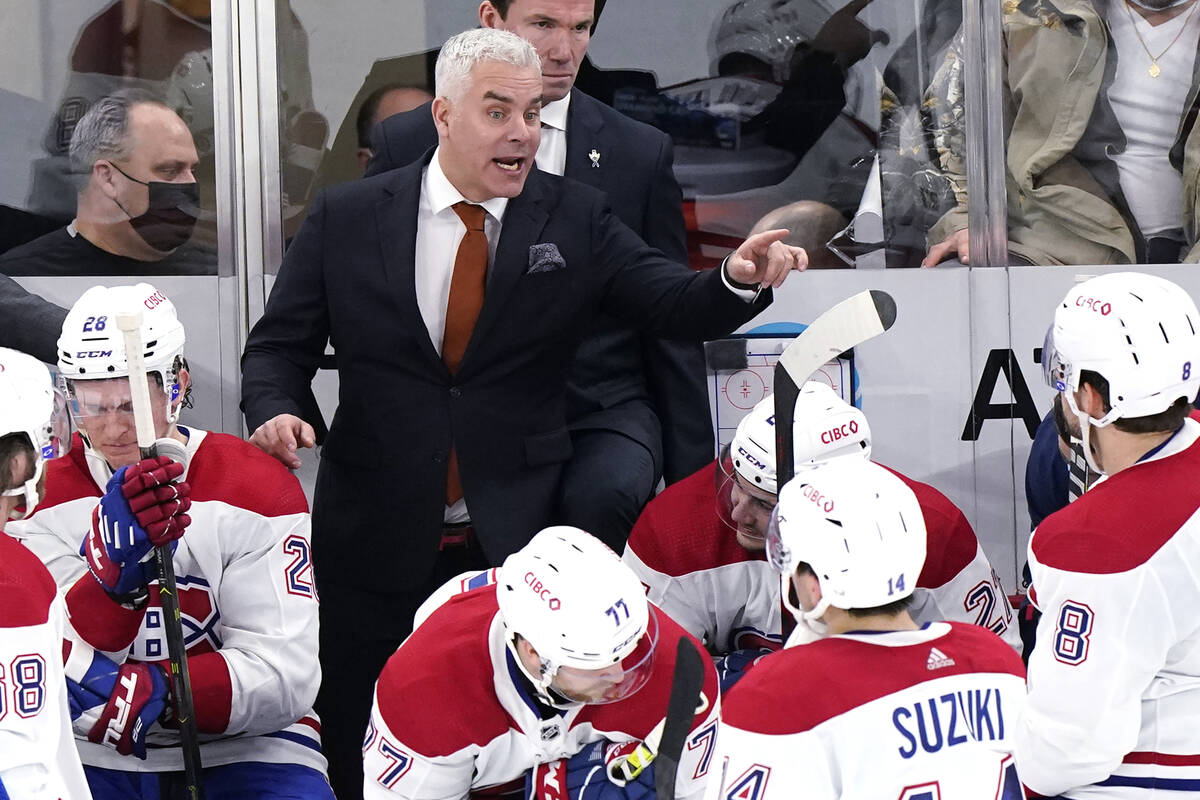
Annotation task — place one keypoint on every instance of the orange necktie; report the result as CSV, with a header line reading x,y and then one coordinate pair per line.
x,y
462,309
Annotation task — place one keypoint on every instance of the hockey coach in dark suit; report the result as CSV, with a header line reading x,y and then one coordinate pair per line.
x,y
637,404
455,291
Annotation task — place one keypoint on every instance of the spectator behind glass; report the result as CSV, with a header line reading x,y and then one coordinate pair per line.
x,y
382,103
1103,163
138,203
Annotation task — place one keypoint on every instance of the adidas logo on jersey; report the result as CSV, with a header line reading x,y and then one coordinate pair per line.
x,y
938,660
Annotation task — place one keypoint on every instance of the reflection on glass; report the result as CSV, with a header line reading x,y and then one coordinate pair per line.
x,y
124,219
1100,111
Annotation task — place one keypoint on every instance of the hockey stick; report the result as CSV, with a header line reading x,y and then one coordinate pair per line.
x,y
681,708
623,769
851,322
130,323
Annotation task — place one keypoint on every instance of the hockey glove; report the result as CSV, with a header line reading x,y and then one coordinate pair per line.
x,y
732,666
142,507
584,776
116,705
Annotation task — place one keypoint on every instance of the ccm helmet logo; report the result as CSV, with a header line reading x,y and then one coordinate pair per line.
x,y
840,432
820,500
1102,308
94,354
742,452
154,300
535,583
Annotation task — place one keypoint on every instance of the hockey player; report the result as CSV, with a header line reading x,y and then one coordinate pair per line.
x,y
37,750
698,546
243,571
538,679
880,706
1114,681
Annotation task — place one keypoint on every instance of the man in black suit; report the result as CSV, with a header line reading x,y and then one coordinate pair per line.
x,y
418,419
637,404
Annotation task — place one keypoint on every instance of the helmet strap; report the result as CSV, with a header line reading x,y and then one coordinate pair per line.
x,y
809,619
1086,423
541,683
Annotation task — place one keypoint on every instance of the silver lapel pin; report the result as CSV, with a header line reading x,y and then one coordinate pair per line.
x,y
595,157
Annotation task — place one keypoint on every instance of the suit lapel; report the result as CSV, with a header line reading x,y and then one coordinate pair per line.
x,y
396,221
585,137
524,219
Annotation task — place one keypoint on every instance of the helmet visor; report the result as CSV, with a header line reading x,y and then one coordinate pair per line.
x,y
1055,370
56,438
616,682
779,555
723,478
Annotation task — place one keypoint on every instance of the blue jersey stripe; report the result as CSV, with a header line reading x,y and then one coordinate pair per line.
x,y
298,738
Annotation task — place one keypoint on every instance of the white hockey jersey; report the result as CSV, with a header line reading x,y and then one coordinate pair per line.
x,y
1114,680
694,569
915,715
451,717
38,760
246,596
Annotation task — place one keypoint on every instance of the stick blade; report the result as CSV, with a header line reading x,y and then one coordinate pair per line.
x,y
681,708
856,319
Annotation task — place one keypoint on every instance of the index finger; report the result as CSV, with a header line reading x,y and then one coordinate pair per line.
x,y
762,240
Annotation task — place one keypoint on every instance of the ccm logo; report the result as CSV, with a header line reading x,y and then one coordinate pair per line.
x,y
94,354
742,452
1101,308
154,300
841,432
814,494
533,582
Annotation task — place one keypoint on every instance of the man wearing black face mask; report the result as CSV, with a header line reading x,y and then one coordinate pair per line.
x,y
138,203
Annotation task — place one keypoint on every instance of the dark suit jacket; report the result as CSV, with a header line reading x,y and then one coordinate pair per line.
x,y
650,389
349,276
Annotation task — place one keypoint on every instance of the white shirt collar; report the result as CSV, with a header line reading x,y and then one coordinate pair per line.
x,y
554,114
442,194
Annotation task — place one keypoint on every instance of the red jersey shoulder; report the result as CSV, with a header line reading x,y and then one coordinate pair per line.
x,y
638,714
68,478
1120,523
951,543
230,470
854,672
436,692
680,531
26,586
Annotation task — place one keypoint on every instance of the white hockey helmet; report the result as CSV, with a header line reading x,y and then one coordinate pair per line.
x,y
824,427
1140,332
581,609
860,529
30,405
92,347
768,30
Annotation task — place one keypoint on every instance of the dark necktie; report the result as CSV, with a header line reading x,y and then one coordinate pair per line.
x,y
462,309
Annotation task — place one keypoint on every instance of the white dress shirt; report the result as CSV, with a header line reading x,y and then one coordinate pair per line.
x,y
439,231
552,151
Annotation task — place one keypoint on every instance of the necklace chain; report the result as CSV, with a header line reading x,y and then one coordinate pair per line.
x,y
1154,70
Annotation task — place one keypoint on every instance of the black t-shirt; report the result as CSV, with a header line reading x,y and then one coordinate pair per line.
x,y
58,253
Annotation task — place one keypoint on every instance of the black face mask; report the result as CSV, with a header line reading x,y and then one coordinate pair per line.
x,y
171,216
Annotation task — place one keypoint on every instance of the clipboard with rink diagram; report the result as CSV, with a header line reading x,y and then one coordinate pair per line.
x,y
741,372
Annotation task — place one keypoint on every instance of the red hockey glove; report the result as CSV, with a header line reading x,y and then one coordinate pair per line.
x,y
141,509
